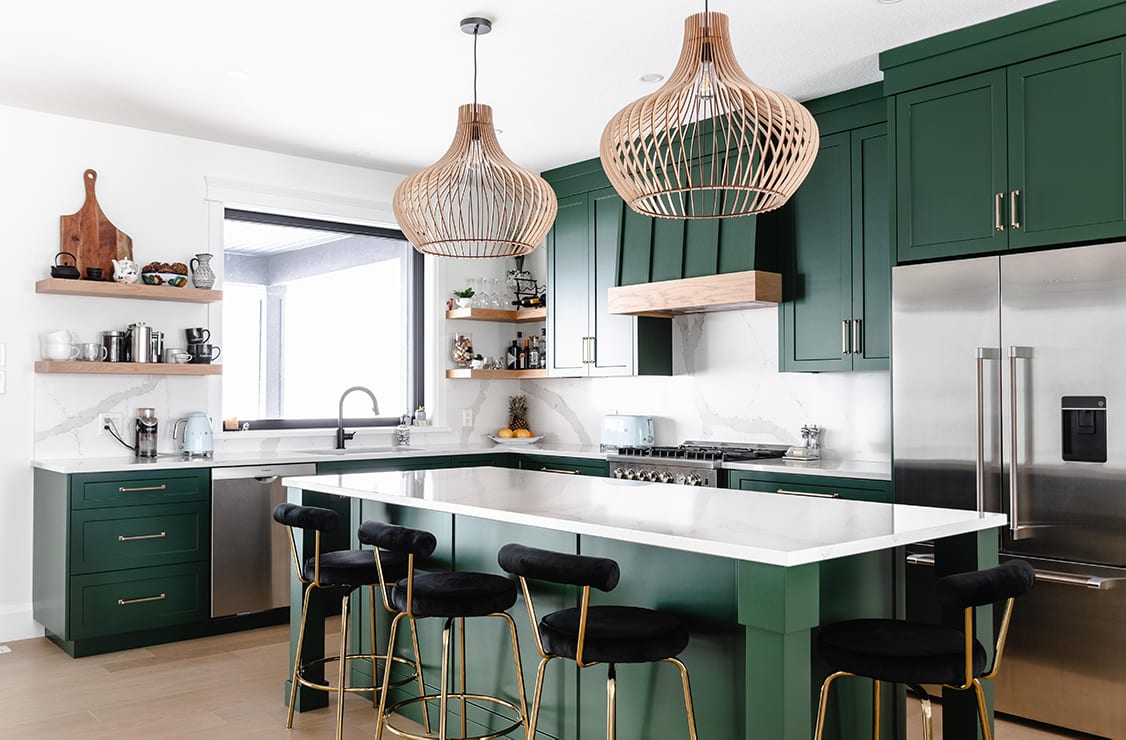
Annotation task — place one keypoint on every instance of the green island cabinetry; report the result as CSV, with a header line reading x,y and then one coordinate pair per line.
x,y
836,240
852,489
1010,134
121,559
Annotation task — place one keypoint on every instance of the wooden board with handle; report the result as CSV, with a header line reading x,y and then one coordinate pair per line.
x,y
91,237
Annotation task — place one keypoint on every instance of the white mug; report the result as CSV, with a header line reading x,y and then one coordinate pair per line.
x,y
92,352
59,351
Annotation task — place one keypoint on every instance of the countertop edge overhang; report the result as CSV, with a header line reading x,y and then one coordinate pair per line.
x,y
710,509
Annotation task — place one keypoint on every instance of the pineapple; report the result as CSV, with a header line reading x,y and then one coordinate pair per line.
x,y
517,412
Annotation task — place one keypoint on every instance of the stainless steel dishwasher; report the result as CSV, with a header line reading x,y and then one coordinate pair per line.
x,y
250,555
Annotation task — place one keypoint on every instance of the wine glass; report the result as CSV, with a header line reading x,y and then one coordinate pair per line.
x,y
496,300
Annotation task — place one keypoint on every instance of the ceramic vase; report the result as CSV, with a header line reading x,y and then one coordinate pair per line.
x,y
202,275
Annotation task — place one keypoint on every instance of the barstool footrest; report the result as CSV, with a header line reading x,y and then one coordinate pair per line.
x,y
301,679
451,697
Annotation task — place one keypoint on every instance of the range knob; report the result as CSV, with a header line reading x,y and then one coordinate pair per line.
x,y
631,474
619,473
680,478
645,475
664,476
694,480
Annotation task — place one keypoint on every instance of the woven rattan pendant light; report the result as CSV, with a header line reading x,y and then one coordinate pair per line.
x,y
475,201
709,143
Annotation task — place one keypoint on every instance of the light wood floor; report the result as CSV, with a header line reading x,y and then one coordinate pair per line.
x,y
229,686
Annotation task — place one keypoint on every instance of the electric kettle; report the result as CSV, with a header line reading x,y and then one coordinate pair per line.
x,y
196,439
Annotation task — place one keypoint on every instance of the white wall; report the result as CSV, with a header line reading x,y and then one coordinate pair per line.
x,y
152,187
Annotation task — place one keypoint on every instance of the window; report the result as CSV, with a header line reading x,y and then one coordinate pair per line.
x,y
311,308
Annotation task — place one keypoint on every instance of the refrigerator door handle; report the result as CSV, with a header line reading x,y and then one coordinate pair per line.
x,y
983,354
1016,529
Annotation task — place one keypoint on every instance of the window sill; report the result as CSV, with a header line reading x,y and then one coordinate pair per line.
x,y
321,432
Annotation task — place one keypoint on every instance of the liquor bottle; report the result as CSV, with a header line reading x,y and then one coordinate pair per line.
x,y
512,354
534,354
543,349
521,355
525,356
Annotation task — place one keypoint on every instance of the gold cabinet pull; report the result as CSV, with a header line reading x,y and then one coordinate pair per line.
x,y
856,336
998,201
123,489
1013,220
131,538
127,602
559,470
808,493
844,336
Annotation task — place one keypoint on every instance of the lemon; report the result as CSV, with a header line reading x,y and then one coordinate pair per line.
x,y
505,433
523,433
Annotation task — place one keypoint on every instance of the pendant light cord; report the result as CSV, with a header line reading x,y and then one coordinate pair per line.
x,y
476,30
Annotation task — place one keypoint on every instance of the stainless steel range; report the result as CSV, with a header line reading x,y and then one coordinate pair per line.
x,y
691,463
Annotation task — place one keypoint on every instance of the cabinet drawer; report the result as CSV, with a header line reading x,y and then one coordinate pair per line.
x,y
157,487
565,465
851,489
138,536
138,599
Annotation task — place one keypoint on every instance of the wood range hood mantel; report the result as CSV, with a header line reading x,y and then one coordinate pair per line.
x,y
725,292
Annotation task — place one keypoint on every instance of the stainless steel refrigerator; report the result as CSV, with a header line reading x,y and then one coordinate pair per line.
x,y
1009,387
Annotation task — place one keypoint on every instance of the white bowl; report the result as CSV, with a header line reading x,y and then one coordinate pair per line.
x,y
514,440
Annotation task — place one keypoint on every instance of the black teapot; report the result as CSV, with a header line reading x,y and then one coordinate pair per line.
x,y
66,272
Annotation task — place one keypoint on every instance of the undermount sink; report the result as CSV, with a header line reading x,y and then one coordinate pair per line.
x,y
359,450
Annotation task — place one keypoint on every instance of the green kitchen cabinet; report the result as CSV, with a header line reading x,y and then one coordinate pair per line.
x,y
836,288
1027,155
582,255
852,489
563,465
122,559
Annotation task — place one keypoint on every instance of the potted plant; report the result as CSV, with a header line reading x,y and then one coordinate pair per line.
x,y
464,297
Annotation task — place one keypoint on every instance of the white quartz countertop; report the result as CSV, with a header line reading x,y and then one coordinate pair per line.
x,y
282,457
743,525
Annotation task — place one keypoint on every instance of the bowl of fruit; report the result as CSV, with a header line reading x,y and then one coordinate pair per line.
x,y
508,436
163,273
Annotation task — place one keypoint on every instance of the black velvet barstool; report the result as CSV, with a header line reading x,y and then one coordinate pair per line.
x,y
453,596
590,635
341,571
916,653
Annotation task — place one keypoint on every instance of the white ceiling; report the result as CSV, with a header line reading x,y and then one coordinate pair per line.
x,y
378,83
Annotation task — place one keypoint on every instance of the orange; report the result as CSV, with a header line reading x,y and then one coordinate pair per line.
x,y
505,433
523,433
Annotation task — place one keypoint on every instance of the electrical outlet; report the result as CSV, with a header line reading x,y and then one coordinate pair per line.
x,y
467,417
116,419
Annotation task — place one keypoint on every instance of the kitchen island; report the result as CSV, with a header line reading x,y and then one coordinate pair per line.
x,y
753,574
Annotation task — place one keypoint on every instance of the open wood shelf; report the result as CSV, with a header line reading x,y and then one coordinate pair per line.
x,y
495,374
77,367
107,289
496,314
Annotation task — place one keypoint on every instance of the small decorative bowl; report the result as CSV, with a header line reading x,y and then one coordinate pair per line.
x,y
174,279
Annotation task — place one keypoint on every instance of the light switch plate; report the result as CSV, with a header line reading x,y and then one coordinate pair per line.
x,y
467,417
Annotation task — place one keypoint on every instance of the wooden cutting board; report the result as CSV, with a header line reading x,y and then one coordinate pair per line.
x,y
90,236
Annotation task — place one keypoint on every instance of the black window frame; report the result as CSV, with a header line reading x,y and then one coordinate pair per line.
x,y
416,387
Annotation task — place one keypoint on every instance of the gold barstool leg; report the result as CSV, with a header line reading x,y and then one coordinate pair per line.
x,y
519,668
981,711
461,667
379,716
688,709
417,671
875,710
611,703
928,722
540,673
825,702
445,691
297,659
343,672
374,666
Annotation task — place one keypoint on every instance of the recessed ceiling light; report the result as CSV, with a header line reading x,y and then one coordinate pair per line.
x,y
651,77
888,2
238,75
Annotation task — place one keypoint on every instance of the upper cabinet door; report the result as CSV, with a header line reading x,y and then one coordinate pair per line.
x,y
613,334
871,248
568,276
818,283
1067,161
951,169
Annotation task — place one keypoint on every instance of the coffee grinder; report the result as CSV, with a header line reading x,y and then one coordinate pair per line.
x,y
146,433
